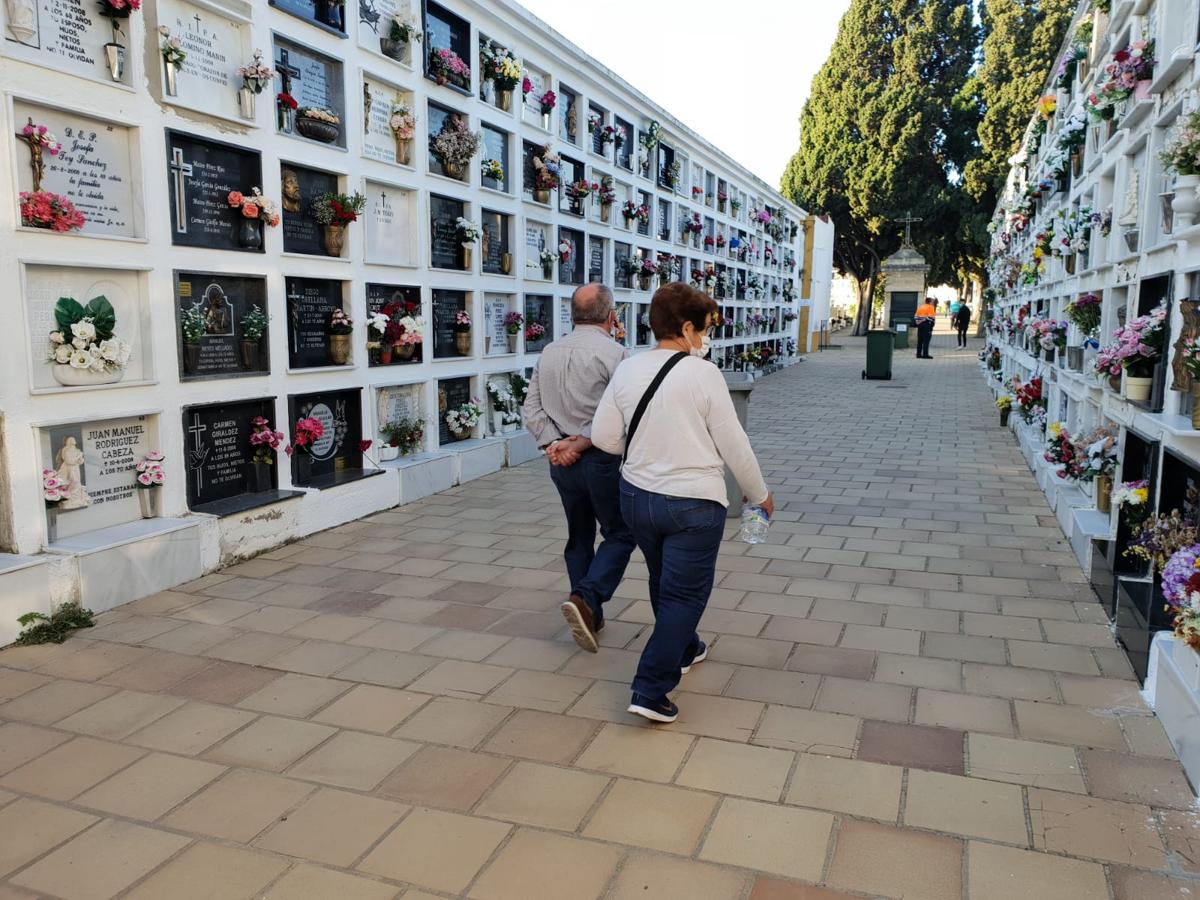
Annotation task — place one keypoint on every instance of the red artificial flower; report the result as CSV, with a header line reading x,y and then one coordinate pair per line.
x,y
364,446
250,211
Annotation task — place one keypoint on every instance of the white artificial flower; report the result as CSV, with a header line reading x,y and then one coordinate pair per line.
x,y
125,350
62,354
110,349
79,343
84,329
80,360
57,337
97,364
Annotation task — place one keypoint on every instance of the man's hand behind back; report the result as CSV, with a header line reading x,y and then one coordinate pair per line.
x,y
567,451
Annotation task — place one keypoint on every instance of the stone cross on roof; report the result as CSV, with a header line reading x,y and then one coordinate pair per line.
x,y
908,219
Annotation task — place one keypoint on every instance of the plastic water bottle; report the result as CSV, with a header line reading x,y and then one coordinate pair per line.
x,y
755,523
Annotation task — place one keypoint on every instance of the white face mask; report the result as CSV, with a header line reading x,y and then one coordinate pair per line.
x,y
705,345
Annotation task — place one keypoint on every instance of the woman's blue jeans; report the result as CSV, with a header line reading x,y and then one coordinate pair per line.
x,y
680,538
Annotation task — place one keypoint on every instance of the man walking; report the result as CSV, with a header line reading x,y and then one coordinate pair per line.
x,y
567,384
962,321
925,318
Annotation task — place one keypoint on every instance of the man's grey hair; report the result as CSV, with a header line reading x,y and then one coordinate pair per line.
x,y
591,307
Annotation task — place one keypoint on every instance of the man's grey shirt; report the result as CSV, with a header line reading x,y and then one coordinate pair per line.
x,y
568,382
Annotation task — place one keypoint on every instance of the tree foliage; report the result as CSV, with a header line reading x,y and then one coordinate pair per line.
x,y
917,110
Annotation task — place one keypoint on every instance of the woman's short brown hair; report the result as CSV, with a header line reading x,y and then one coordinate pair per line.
x,y
676,303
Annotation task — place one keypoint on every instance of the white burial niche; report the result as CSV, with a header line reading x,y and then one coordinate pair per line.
x,y
88,327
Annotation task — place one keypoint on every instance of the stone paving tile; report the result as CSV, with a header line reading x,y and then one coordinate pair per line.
x,y
904,679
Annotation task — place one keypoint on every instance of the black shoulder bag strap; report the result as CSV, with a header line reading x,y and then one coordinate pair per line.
x,y
646,398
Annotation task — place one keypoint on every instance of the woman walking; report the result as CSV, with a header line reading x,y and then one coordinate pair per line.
x,y
669,412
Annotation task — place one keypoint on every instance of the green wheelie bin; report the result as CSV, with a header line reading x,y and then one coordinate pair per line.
x,y
901,328
880,344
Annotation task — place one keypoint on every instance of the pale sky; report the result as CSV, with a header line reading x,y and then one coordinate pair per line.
x,y
736,73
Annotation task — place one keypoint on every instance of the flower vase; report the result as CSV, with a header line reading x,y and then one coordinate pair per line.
x,y
462,342
1195,407
548,272
392,49
1075,359
172,78
333,239
1049,352
1004,414
1077,162
250,234
460,435
388,452
283,119
246,103
644,282
403,151
150,502
191,358
333,14
466,257
1103,493
262,477
497,422
404,352
114,55
452,170
541,196
385,355
339,349
1114,383
505,263
504,99
1185,204
1069,264
720,205
303,467
512,342
605,210
51,524
546,121
248,350
1137,389
1142,90
576,207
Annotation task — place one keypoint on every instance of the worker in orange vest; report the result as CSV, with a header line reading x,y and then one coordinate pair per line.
x,y
925,318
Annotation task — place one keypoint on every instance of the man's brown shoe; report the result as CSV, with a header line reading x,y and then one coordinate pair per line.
x,y
579,617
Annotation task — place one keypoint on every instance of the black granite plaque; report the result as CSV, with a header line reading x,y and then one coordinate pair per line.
x,y
621,253
300,186
335,456
322,13
446,304
201,175
310,303
380,296
571,271
538,310
452,392
443,29
595,259
496,227
495,146
218,455
624,152
445,247
225,300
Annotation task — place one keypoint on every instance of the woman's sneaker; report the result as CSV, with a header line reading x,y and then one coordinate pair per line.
x,y
701,655
661,710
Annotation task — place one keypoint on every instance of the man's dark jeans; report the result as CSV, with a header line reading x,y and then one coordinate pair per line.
x,y
680,537
590,493
924,336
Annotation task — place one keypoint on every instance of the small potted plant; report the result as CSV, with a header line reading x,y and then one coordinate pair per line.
x,y
462,332
254,326
454,146
266,442
534,333
462,419
255,209
255,75
513,322
173,57
340,328
405,436
335,212
149,481
492,170
404,125
401,31
193,326
308,430
467,234
318,123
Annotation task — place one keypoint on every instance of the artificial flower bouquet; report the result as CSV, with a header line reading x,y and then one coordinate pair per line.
x,y
45,209
83,338
150,471
1084,312
463,418
255,206
265,440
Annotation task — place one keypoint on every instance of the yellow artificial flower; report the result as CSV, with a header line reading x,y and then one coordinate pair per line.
x,y
1055,429
1047,105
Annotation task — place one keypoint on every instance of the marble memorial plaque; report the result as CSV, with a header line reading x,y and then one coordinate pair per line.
x,y
94,169
388,225
225,300
201,175
446,304
535,242
300,186
445,250
379,97
215,46
310,304
337,450
452,392
396,403
375,19
564,317
218,456
44,285
495,308
65,35
96,460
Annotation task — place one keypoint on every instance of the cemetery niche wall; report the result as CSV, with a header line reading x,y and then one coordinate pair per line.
x,y
191,289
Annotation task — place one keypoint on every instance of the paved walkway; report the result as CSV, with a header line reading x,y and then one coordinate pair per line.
x,y
910,695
